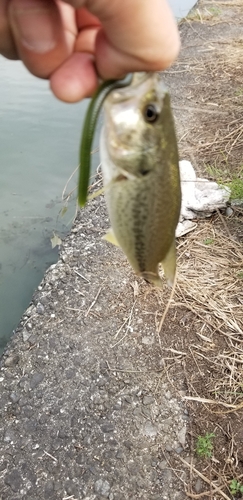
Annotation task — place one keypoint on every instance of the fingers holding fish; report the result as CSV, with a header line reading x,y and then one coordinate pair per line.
x,y
135,36
44,33
122,37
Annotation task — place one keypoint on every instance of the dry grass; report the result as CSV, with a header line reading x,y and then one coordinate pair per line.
x,y
214,88
210,285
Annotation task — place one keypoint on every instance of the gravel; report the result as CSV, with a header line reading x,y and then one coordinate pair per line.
x,y
84,411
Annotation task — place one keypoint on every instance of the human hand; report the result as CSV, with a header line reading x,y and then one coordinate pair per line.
x,y
72,42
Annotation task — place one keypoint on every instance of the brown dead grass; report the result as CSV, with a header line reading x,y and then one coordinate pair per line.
x,y
210,284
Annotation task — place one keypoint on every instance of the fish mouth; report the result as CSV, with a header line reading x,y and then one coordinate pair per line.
x,y
139,82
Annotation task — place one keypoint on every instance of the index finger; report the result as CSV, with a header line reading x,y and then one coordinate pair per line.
x,y
85,19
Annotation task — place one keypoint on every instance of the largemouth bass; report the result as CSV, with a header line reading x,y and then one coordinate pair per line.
x,y
139,158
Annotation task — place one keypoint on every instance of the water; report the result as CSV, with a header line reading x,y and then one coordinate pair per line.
x,y
39,138
181,7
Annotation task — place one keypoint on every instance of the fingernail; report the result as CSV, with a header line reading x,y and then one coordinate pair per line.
x,y
34,21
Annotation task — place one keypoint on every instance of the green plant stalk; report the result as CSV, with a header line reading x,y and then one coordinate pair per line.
x,y
89,130
204,445
235,487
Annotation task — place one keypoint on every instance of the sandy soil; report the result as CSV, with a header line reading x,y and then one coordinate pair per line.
x,y
99,398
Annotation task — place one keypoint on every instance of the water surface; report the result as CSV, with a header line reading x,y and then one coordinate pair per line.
x,y
39,140
181,7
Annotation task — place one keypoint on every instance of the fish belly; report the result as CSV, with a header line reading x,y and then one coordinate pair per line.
x,y
143,218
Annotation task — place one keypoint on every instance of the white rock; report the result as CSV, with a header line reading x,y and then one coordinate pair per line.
x,y
200,197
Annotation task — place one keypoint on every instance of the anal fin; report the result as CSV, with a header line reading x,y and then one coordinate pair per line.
x,y
110,237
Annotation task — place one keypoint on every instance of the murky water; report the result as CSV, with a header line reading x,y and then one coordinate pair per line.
x,y
181,7
39,138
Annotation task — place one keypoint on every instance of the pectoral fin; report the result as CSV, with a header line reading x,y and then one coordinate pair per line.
x,y
110,237
169,265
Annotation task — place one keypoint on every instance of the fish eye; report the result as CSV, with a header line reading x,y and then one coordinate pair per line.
x,y
150,113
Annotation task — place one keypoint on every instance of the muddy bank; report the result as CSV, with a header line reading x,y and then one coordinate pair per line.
x,y
92,396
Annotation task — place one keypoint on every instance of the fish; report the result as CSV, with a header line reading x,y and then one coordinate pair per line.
x,y
140,168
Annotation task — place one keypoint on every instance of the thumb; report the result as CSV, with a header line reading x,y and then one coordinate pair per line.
x,y
39,34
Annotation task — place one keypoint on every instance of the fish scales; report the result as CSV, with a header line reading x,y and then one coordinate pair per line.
x,y
141,175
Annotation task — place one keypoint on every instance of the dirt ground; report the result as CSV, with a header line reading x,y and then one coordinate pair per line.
x,y
207,90
102,395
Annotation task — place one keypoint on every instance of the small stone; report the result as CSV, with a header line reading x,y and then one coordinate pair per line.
x,y
3,465
162,465
26,335
49,488
62,434
80,458
150,430
168,395
229,211
14,480
12,360
36,379
32,340
168,447
9,436
128,445
70,487
23,402
44,300
40,308
28,411
14,397
30,426
147,340
198,485
117,406
120,455
102,487
182,436
178,450
107,427
148,400
146,412
30,311
70,373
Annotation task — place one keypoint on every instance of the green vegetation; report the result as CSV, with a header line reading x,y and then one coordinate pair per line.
x,y
236,187
235,487
232,180
218,174
215,11
204,446
239,92
208,241
204,14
